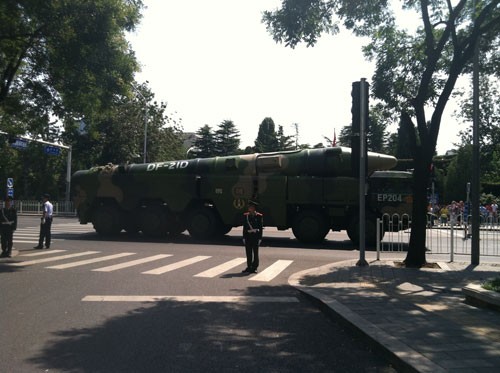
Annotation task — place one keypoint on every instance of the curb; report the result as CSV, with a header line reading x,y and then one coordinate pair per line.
x,y
477,295
400,354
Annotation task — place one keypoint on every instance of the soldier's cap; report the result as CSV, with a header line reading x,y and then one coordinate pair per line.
x,y
46,195
252,203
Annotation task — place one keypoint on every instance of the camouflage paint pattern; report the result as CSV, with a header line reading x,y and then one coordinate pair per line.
x,y
282,182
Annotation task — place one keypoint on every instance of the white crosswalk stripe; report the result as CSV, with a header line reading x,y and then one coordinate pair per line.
x,y
53,259
45,256
220,269
272,271
132,263
174,266
90,261
30,234
43,252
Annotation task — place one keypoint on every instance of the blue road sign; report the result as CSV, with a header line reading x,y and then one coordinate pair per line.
x,y
10,192
10,182
52,150
20,144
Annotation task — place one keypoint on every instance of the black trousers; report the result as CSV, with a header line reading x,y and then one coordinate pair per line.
x,y
252,251
45,233
7,239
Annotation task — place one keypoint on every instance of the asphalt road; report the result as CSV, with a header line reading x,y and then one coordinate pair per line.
x,y
136,305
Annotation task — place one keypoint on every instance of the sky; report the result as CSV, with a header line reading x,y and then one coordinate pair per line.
x,y
214,60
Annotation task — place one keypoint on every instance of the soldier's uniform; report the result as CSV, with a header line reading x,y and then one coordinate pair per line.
x,y
252,235
8,224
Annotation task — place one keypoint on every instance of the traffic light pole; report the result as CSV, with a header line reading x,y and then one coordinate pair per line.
x,y
362,173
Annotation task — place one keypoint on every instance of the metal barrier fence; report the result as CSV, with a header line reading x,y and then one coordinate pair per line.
x,y
61,208
444,235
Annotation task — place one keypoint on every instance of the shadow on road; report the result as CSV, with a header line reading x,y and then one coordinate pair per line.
x,y
211,337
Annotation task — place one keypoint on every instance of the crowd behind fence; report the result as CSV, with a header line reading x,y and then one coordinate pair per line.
x,y
444,234
61,208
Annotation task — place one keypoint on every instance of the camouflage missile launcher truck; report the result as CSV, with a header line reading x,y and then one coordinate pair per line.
x,y
310,191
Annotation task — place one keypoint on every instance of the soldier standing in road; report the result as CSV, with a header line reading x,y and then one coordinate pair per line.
x,y
8,219
252,236
46,223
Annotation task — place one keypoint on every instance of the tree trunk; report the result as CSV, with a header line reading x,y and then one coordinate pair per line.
x,y
416,251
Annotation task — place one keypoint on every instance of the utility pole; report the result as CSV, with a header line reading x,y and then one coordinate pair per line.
x,y
475,152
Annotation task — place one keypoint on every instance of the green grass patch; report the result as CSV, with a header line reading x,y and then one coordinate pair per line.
x,y
493,285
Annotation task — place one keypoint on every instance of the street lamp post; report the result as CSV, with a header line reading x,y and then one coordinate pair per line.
x,y
144,151
145,131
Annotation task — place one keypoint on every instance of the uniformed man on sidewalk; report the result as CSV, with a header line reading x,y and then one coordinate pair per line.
x,y
8,224
252,236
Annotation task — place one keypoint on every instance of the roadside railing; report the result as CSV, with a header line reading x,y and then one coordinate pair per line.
x,y
61,208
444,235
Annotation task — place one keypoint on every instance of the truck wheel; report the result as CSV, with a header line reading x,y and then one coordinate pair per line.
x,y
310,227
175,225
152,221
202,223
130,224
106,221
224,229
370,230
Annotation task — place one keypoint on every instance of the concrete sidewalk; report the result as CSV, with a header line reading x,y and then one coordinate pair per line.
x,y
417,315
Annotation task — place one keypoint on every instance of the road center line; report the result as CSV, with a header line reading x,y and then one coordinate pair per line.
x,y
188,298
174,266
90,261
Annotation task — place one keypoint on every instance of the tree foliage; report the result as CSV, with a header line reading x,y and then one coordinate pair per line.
x,y
63,58
416,71
489,123
267,138
205,143
227,139
459,173
285,142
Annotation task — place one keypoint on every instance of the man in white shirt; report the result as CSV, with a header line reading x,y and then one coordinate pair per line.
x,y
46,223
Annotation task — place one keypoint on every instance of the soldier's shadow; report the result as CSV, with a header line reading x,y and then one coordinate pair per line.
x,y
235,275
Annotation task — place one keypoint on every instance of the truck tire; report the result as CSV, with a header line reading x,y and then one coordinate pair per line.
x,y
310,227
224,229
175,225
152,221
106,220
202,223
370,230
129,223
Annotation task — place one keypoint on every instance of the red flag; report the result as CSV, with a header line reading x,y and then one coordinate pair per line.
x,y
334,142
